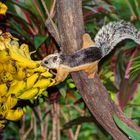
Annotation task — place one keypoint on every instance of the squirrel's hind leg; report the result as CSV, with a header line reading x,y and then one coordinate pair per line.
x,y
87,41
92,69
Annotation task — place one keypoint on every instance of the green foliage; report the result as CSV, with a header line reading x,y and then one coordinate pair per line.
x,y
38,40
129,131
27,18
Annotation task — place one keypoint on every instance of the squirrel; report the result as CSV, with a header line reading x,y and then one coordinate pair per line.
x,y
88,57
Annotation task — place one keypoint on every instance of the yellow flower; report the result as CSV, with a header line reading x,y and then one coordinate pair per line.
x,y
3,8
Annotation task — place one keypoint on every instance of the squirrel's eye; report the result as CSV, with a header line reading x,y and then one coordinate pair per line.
x,y
55,58
46,62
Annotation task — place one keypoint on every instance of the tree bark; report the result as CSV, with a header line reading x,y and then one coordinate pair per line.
x,y
71,29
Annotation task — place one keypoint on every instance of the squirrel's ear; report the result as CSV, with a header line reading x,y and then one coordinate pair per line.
x,y
87,41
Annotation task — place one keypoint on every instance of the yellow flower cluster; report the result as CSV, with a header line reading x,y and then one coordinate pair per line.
x,y
20,77
3,8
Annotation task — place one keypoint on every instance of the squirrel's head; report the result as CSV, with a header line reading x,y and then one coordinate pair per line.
x,y
52,61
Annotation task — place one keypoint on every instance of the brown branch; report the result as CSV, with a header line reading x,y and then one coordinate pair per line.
x,y
78,121
78,128
52,10
77,132
29,129
21,130
75,107
50,25
34,126
23,134
55,119
45,119
71,28
37,112
50,135
52,30
69,131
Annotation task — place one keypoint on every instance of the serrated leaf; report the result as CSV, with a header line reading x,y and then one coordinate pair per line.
x,y
38,40
129,131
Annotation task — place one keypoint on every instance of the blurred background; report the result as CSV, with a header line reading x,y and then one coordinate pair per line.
x,y
60,111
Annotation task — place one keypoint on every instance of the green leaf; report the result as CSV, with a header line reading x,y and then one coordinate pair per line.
x,y
38,40
71,85
63,92
45,93
62,89
25,7
33,7
129,131
20,30
22,20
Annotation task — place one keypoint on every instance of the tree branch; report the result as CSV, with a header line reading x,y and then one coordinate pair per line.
x,y
71,28
55,121
69,133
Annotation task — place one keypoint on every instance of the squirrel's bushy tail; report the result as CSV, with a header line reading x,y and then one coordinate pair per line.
x,y
113,33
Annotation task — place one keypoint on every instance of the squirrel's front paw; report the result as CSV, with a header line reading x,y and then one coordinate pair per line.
x,y
62,74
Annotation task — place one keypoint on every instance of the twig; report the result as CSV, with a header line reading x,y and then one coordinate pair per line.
x,y
75,107
37,112
137,7
46,113
52,12
22,133
21,130
78,109
50,135
131,9
78,129
32,52
53,31
55,120
70,132
77,132
78,121
50,24
45,122
34,127
29,129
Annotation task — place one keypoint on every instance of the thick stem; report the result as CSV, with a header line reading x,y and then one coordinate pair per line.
x,y
69,15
